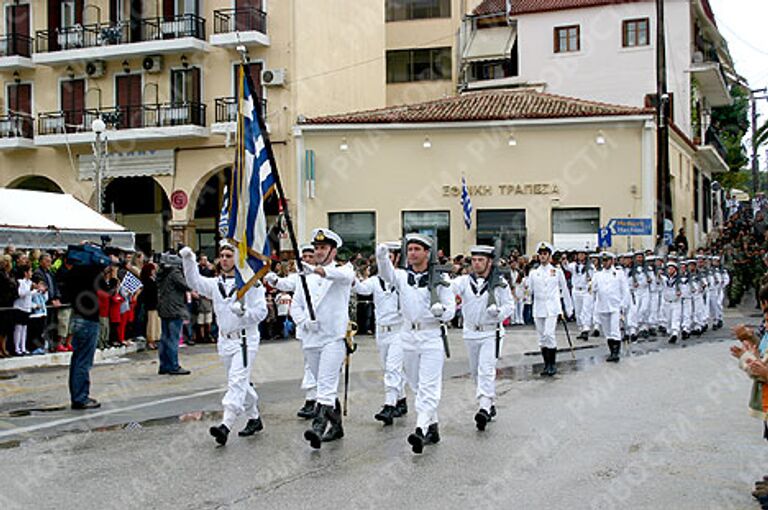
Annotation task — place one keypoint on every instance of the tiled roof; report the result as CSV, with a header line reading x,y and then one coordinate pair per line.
x,y
529,6
484,106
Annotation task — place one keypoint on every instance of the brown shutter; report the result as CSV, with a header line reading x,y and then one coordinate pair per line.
x,y
79,6
195,92
169,9
72,102
54,17
114,15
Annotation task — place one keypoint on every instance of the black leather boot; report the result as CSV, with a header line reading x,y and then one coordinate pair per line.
x,y
552,362
254,425
481,419
386,415
335,431
612,358
545,357
416,440
308,411
617,351
401,408
319,424
433,434
220,434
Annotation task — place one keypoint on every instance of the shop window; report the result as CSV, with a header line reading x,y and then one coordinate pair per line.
x,y
575,228
357,231
403,10
432,224
505,224
428,64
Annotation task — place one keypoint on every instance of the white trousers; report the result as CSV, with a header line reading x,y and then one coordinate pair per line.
x,y
518,315
653,309
630,317
674,317
687,315
663,317
642,308
20,339
701,308
424,372
712,304
482,367
240,397
583,310
391,356
609,325
545,328
719,301
325,366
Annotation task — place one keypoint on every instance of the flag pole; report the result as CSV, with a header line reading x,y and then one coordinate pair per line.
x,y
279,185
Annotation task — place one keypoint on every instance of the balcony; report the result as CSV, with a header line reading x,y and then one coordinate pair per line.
x,y
239,26
15,52
140,122
16,131
226,115
712,155
124,39
708,72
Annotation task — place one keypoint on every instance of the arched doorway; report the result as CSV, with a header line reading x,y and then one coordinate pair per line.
x,y
36,183
140,205
208,210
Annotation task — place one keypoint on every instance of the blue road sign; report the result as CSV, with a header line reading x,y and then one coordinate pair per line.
x,y
604,237
631,226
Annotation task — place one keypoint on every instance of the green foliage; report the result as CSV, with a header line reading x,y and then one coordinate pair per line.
x,y
732,123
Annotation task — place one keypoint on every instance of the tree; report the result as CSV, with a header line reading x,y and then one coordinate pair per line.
x,y
732,123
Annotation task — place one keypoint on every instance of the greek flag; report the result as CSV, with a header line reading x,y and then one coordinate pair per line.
x,y
253,181
466,204
130,284
224,214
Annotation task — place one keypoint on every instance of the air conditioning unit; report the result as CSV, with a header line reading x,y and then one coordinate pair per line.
x,y
152,64
95,68
273,77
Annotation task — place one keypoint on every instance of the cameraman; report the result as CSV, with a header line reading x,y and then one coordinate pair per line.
x,y
172,309
81,285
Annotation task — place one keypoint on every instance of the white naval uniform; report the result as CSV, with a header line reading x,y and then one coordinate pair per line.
x,y
642,291
423,353
548,287
686,316
292,283
324,348
611,290
240,397
630,306
713,291
700,307
725,279
671,298
480,331
581,279
654,297
518,294
389,321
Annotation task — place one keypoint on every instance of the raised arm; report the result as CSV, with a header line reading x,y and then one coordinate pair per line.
x,y
203,286
386,269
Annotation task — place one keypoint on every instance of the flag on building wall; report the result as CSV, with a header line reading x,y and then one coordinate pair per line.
x,y
466,204
224,214
253,181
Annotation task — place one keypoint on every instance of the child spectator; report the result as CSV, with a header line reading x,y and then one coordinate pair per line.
x,y
38,316
22,307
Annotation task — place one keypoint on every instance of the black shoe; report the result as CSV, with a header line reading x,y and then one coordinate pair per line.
x,y
309,410
584,335
386,415
254,425
644,334
481,419
552,371
493,411
401,408
613,356
416,440
319,424
662,330
686,335
545,356
433,435
652,332
336,431
633,338
179,371
88,404
596,333
705,328
190,343
673,339
220,434
696,332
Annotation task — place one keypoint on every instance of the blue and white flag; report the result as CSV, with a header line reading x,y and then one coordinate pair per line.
x,y
253,181
466,204
130,284
224,214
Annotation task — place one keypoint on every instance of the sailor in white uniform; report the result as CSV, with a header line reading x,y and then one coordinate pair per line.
x,y
611,290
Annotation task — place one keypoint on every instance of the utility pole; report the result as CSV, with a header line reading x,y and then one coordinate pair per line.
x,y
663,191
755,161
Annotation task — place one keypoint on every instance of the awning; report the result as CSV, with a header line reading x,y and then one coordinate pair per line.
x,y
490,44
149,163
35,219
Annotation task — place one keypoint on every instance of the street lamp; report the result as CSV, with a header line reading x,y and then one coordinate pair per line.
x,y
99,152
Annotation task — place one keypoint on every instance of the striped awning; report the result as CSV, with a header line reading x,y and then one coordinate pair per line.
x,y
490,44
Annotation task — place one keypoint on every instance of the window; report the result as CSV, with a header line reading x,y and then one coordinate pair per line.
x,y
696,191
186,7
185,85
68,13
357,231
400,10
707,184
507,224
635,33
418,65
430,223
567,39
575,228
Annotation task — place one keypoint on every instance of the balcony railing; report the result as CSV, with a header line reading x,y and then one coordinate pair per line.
x,y
226,109
123,117
16,125
239,20
712,138
123,32
15,45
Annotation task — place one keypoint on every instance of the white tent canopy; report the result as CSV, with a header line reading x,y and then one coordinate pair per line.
x,y
36,219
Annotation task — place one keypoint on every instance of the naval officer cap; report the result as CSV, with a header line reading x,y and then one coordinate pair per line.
x,y
326,236
482,249
608,255
421,239
544,246
393,245
226,244
307,247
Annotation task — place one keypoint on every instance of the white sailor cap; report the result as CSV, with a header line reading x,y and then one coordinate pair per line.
x,y
700,256
306,247
626,255
650,258
482,249
393,245
594,255
690,261
421,239
639,252
608,255
326,235
226,244
544,246
672,263
714,257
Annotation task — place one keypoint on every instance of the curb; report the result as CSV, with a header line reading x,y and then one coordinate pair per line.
x,y
59,359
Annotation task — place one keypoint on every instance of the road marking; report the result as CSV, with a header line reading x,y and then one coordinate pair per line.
x,y
108,412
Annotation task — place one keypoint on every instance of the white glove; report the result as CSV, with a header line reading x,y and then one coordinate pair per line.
x,y
308,268
312,326
437,310
382,252
271,279
492,311
237,308
187,253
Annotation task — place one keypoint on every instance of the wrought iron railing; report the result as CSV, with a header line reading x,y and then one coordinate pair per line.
x,y
226,109
15,45
16,125
239,20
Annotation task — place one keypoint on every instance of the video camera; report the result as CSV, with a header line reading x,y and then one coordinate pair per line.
x,y
168,260
87,255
